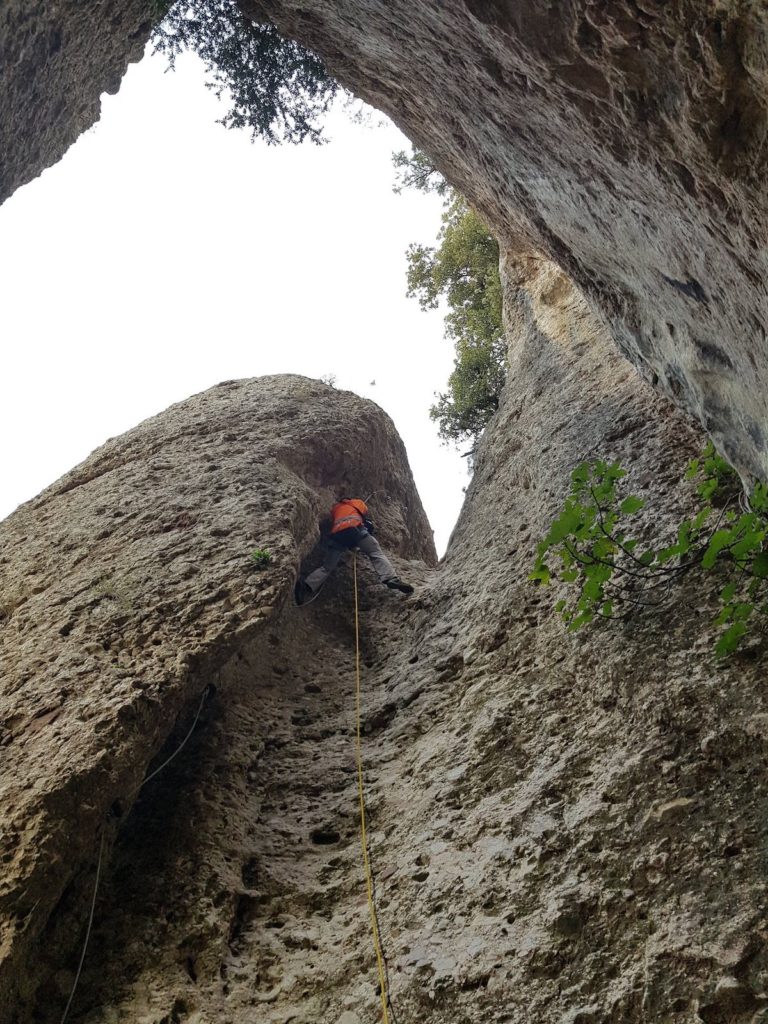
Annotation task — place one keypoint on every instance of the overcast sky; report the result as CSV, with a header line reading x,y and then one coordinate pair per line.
x,y
165,253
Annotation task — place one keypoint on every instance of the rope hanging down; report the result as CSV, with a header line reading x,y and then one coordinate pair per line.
x,y
141,785
380,963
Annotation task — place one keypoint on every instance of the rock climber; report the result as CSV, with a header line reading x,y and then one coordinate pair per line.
x,y
350,528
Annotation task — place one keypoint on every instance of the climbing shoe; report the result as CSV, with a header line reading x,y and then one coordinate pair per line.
x,y
397,584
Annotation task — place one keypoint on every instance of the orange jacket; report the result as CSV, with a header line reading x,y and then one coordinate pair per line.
x,y
346,514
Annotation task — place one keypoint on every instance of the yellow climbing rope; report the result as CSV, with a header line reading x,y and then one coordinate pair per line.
x,y
363,836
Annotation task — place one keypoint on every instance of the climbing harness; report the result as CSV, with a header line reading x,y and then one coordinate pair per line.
x,y
206,692
380,962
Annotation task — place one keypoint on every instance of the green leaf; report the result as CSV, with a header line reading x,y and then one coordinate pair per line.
x,y
666,553
748,543
726,614
707,489
647,557
684,538
742,611
581,620
631,505
604,548
700,518
607,609
760,565
593,590
720,539
541,574
726,594
564,525
729,639
759,498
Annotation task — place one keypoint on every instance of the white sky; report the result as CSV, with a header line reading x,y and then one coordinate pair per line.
x,y
165,253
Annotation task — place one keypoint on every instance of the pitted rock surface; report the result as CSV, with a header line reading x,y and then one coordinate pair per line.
x,y
127,583
56,59
562,827
623,140
565,829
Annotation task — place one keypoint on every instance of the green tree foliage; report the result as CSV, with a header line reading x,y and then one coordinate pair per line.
x,y
415,170
462,269
614,573
277,89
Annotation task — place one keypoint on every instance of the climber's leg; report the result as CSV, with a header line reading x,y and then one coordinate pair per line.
x,y
371,547
316,579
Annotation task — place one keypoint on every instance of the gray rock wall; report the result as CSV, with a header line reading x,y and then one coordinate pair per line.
x,y
563,828
127,583
625,141
56,59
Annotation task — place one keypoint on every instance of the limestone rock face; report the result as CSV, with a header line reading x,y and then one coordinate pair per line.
x,y
125,586
624,140
565,829
562,827
55,61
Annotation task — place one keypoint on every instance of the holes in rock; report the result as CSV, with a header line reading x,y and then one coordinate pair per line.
x,y
420,876
67,629
325,837
312,688
691,288
245,913
178,1013
470,984
189,966
684,176
250,873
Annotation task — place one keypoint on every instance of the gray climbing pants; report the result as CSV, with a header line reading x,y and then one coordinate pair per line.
x,y
334,553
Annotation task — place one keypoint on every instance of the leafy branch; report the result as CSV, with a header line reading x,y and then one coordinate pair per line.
x,y
276,88
589,545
